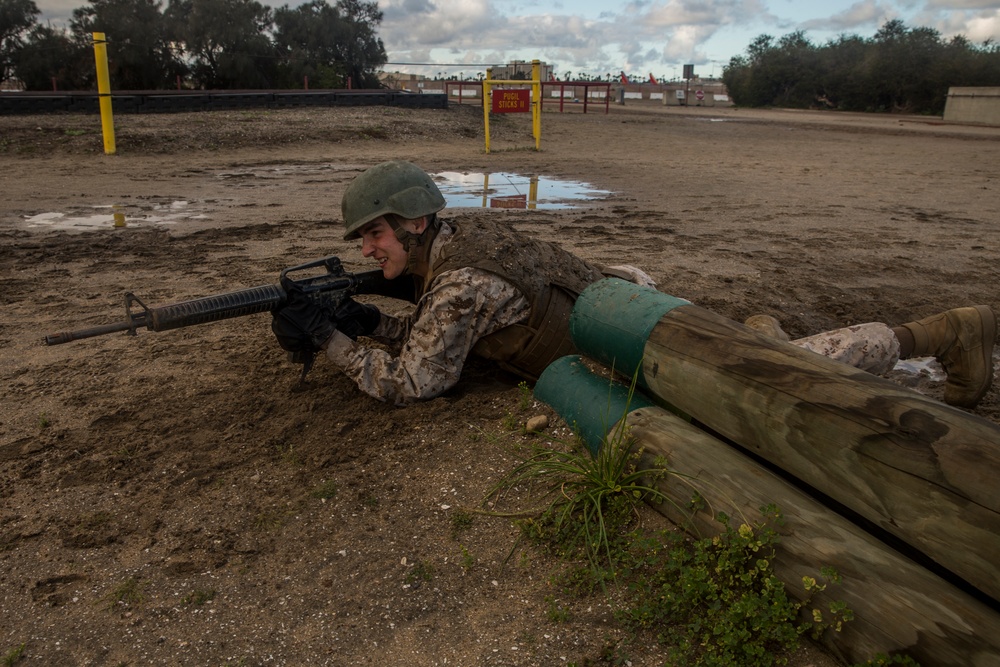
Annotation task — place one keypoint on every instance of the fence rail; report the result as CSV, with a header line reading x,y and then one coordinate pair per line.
x,y
166,101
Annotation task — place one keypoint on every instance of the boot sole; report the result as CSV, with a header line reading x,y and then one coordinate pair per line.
x,y
989,336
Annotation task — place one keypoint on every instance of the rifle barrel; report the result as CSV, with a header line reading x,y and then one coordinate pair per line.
x,y
248,301
67,336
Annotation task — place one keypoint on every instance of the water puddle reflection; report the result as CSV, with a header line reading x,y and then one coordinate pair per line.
x,y
118,215
508,190
922,366
460,189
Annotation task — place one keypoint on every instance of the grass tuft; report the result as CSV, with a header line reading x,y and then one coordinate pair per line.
x,y
13,656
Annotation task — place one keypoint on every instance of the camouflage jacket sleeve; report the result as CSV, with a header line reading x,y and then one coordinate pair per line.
x,y
461,307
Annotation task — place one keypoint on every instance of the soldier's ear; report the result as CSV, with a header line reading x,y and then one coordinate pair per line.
x,y
417,225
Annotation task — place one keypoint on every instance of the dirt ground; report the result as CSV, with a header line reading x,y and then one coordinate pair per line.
x,y
166,499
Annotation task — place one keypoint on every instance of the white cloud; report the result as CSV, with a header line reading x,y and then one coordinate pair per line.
x,y
977,27
606,36
638,33
868,14
963,4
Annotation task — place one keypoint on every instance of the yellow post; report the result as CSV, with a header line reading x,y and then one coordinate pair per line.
x,y
536,103
486,105
104,92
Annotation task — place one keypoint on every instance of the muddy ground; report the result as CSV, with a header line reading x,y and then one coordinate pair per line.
x,y
166,499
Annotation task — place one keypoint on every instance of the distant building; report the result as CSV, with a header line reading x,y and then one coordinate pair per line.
x,y
418,83
521,69
415,83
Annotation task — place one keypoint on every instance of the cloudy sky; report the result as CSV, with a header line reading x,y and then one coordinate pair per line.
x,y
636,36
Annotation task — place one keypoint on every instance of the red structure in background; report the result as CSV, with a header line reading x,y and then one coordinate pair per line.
x,y
561,85
586,85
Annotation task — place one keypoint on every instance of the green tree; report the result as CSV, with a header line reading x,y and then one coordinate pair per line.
x,y
899,65
226,41
361,50
50,56
841,84
748,78
17,18
898,70
140,56
305,39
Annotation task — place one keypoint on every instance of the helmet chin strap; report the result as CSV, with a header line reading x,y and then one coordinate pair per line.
x,y
414,243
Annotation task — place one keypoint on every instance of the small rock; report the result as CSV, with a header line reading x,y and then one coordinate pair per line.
x,y
537,424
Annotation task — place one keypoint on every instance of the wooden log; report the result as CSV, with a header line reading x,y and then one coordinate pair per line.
x,y
899,606
921,470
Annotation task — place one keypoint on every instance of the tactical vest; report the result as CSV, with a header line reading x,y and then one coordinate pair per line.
x,y
551,278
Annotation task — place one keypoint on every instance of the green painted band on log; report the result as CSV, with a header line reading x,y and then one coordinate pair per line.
x,y
613,318
591,405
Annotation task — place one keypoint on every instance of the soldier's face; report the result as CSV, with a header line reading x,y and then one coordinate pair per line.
x,y
379,242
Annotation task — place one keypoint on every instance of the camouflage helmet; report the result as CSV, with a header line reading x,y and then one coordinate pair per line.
x,y
396,187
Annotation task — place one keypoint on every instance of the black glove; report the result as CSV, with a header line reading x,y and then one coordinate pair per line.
x,y
301,326
357,319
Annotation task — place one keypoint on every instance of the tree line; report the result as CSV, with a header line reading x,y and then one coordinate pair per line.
x,y
900,69
211,44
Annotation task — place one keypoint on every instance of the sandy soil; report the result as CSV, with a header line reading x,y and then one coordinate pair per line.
x,y
262,526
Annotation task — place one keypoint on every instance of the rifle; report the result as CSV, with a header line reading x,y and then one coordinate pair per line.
x,y
328,289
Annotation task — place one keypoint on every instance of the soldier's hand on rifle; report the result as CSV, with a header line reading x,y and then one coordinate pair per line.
x,y
300,325
356,319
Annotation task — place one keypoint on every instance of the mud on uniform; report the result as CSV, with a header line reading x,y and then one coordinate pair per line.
x,y
488,292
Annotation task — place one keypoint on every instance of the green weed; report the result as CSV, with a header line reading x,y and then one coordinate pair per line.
x,y
287,454
555,612
13,656
420,572
43,421
590,500
510,423
467,560
267,520
717,602
461,521
883,660
325,491
127,593
198,597
525,397
129,451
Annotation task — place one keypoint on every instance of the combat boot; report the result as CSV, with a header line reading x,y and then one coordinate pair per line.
x,y
766,325
961,339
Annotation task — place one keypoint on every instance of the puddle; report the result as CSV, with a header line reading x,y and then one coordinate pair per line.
x,y
926,366
461,190
118,215
507,190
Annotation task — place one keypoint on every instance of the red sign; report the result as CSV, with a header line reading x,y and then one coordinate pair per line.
x,y
509,201
700,94
512,101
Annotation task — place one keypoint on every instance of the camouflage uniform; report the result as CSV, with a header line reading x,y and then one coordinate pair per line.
x,y
462,306
458,309
872,347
